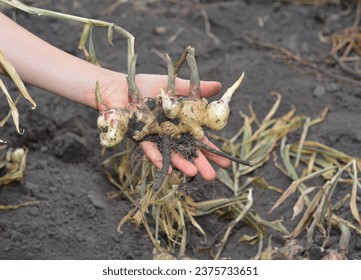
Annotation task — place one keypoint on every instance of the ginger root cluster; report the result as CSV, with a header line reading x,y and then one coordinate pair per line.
x,y
166,114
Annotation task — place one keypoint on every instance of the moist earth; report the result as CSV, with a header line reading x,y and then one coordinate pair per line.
x,y
75,218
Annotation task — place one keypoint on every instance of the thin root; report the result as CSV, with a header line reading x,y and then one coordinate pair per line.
x,y
203,146
165,164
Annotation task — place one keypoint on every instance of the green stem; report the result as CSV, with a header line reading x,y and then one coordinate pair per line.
x,y
194,89
171,75
88,23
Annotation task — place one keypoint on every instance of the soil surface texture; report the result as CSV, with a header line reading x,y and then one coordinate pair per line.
x,y
75,218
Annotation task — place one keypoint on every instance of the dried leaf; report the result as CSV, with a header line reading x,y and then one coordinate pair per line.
x,y
7,117
250,239
260,182
307,216
353,200
15,164
247,134
302,141
110,34
345,236
295,184
10,70
92,57
209,206
297,209
327,151
321,118
84,36
13,109
17,206
195,223
274,108
224,178
233,223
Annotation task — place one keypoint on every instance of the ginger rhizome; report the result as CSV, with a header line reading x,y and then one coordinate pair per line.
x,y
164,115
167,117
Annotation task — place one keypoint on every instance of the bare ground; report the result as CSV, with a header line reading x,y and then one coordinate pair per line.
x,y
75,219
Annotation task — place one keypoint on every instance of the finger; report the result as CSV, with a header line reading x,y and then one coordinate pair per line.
x,y
221,161
208,88
204,167
153,154
183,165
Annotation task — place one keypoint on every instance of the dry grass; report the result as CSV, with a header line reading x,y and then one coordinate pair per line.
x,y
14,113
346,46
167,213
336,171
346,42
172,210
12,166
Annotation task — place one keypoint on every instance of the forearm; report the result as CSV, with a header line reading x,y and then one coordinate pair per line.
x,y
47,67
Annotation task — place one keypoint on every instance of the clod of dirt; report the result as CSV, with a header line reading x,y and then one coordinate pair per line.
x,y
315,253
319,90
96,200
70,148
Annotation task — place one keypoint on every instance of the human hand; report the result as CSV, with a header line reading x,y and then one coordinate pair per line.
x,y
74,78
149,85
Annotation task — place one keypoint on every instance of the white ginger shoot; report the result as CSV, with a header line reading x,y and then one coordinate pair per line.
x,y
170,104
218,111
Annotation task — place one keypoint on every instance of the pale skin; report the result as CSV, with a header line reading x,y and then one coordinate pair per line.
x,y
47,67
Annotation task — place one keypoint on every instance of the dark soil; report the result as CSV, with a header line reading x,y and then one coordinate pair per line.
x,y
75,219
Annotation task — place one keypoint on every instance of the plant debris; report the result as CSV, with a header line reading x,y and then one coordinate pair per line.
x,y
13,166
325,180
14,113
171,209
346,46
